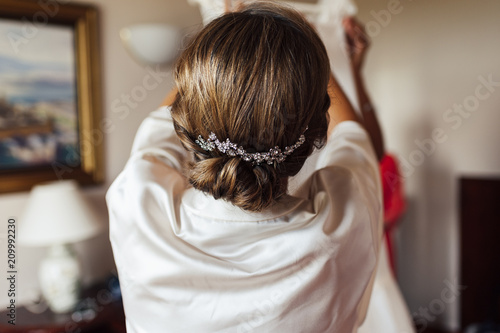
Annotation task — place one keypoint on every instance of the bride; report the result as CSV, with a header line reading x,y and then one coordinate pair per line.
x,y
334,21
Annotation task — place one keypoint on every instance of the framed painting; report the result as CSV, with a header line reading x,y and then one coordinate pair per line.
x,y
49,94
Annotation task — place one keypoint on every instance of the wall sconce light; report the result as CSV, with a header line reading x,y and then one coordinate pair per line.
x,y
151,44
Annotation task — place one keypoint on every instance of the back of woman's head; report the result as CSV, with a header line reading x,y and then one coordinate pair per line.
x,y
259,78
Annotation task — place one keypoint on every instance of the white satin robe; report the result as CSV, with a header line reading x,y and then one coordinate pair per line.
x,y
190,263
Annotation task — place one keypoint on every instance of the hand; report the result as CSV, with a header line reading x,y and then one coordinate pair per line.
x,y
229,6
357,42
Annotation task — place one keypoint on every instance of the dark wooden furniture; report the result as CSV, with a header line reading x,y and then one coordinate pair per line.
x,y
480,250
109,318
435,330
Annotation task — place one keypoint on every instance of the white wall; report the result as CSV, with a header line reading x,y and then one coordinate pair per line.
x,y
426,58
120,75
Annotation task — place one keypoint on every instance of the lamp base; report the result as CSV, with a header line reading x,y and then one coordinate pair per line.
x,y
60,278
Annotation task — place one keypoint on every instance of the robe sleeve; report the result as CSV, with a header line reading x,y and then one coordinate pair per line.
x,y
349,147
347,171
156,136
145,196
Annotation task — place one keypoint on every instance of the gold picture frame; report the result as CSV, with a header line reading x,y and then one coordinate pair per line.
x,y
49,126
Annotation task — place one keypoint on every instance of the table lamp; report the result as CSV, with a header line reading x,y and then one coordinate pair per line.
x,y
57,215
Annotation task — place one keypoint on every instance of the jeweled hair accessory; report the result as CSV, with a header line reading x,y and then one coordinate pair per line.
x,y
227,147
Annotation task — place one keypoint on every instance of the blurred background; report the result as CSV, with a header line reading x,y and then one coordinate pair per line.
x,y
433,72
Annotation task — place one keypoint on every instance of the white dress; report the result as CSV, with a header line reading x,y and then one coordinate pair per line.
x,y
190,263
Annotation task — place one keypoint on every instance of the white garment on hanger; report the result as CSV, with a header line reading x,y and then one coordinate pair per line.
x,y
326,15
321,12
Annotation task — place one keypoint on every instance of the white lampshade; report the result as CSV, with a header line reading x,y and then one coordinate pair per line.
x,y
57,213
151,44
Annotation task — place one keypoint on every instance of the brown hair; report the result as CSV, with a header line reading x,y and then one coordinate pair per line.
x,y
259,77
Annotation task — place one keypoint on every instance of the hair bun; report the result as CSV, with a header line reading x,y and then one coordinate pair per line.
x,y
249,187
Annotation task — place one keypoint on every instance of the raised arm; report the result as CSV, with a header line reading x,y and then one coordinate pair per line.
x,y
340,107
170,98
358,44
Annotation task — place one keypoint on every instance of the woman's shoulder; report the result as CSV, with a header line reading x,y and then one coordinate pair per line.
x,y
146,173
348,147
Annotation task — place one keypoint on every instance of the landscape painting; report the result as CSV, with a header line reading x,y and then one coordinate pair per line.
x,y
50,94
38,96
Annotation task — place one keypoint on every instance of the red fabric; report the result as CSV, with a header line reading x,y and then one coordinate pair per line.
x,y
394,201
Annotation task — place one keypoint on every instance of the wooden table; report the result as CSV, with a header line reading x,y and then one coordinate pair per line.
x,y
108,317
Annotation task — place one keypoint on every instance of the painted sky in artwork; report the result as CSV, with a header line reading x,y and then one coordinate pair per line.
x,y
36,63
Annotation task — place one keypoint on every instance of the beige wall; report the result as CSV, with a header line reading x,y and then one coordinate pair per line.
x,y
120,76
425,59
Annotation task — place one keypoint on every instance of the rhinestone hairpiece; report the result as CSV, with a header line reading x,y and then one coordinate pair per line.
x,y
232,149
